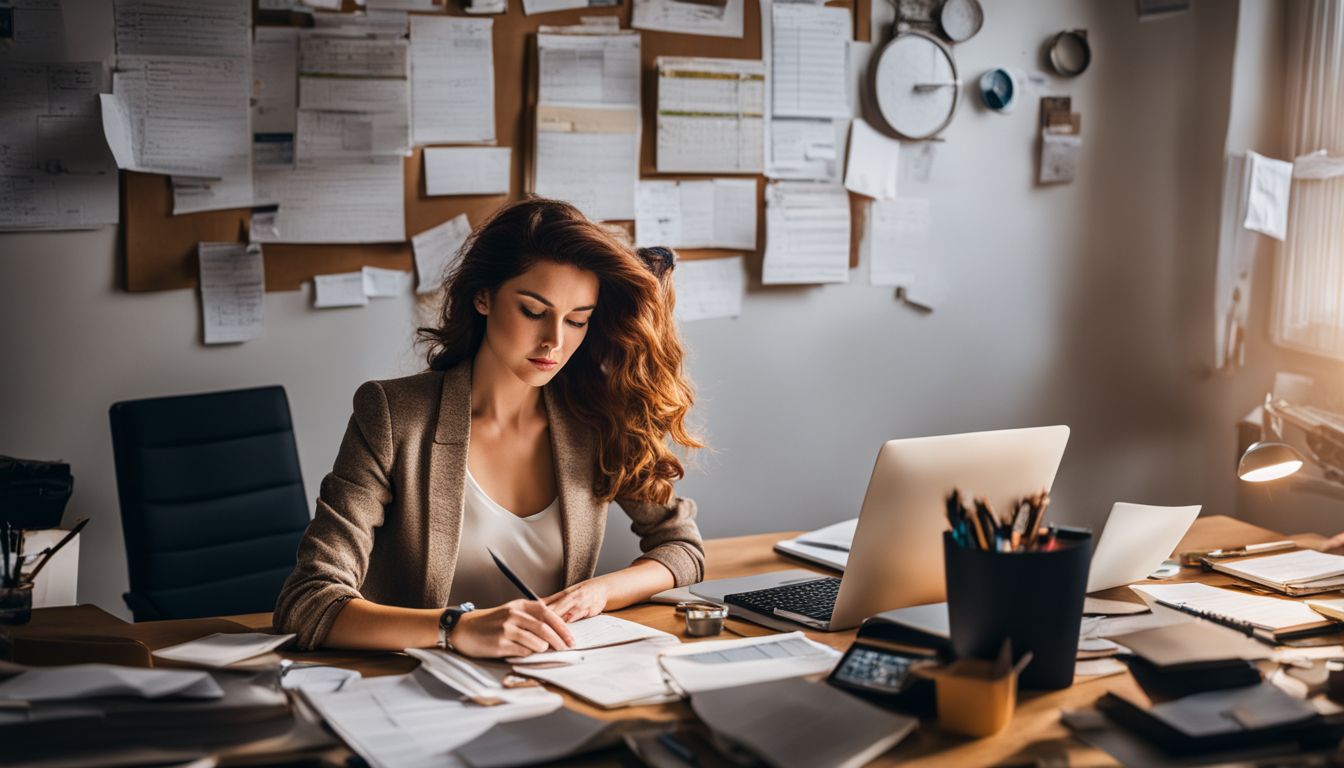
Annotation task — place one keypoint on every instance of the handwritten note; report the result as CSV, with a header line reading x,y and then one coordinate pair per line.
x,y
233,284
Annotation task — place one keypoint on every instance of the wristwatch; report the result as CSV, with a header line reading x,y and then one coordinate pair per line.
x,y
448,619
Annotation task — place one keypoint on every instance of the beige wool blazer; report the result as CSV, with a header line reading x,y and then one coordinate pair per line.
x,y
389,515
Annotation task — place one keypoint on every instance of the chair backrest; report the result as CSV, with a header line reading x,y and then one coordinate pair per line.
x,y
212,501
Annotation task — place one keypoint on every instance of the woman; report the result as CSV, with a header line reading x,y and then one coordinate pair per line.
x,y
555,380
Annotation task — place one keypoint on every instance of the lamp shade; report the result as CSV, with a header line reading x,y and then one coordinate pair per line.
x,y
1268,460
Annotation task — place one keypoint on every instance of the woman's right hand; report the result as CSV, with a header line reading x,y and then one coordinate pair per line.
x,y
516,628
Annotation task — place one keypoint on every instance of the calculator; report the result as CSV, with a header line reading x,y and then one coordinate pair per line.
x,y
883,674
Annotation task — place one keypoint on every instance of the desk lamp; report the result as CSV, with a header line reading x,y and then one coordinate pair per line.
x,y
1269,458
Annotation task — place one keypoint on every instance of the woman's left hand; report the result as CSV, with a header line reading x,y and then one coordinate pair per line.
x,y
587,598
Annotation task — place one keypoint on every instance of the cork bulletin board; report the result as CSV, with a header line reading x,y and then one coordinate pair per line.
x,y
160,248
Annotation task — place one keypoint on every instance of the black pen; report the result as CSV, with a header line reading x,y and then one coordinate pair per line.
x,y
513,577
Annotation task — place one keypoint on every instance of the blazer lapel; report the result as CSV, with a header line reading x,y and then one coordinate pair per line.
x,y
447,479
583,518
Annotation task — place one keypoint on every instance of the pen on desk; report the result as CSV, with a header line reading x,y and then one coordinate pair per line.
x,y
511,576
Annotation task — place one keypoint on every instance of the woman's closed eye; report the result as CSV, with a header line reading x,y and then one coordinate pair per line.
x,y
529,314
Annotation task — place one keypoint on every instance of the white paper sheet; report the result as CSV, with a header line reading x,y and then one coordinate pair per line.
x,y
873,162
717,213
594,171
1135,541
385,283
715,664
604,630
531,7
1269,613
179,115
77,681
723,20
221,650
211,28
809,60
467,170
355,203
806,233
56,172
348,137
345,289
898,239
710,115
233,289
1267,200
414,721
1236,262
807,149
589,70
37,31
336,55
191,194
452,79
617,676
709,288
275,80
436,251
1059,156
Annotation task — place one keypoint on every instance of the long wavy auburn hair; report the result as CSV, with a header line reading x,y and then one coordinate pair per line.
x,y
625,381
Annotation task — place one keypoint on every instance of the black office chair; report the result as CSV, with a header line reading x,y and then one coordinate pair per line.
x,y
212,501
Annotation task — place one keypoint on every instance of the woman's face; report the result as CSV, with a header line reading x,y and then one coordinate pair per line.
x,y
536,320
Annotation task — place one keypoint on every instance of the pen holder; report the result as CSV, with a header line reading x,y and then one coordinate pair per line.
x,y
1034,598
972,700
16,603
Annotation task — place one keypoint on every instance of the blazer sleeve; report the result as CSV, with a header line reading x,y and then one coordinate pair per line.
x,y
334,552
668,534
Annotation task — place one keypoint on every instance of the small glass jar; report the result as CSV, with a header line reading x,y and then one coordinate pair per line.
x,y
16,603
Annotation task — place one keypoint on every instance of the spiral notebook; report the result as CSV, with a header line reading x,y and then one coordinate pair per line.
x,y
1247,613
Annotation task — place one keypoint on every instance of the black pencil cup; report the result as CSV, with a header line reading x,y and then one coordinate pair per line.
x,y
1034,598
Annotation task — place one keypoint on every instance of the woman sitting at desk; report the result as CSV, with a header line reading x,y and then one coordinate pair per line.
x,y
555,380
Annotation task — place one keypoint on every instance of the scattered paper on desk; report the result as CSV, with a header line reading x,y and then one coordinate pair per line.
x,y
221,649
437,251
452,79
708,288
714,664
233,289
807,148
467,170
873,162
318,679
809,60
898,239
78,681
1267,201
717,213
806,233
199,108
1094,668
710,115
383,283
347,203
220,29
56,171
617,676
588,122
603,630
275,80
36,31
716,19
341,290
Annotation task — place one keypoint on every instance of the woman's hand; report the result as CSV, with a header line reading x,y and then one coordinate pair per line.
x,y
587,598
516,628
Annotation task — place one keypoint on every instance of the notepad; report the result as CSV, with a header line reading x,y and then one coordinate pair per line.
x,y
1269,614
1304,572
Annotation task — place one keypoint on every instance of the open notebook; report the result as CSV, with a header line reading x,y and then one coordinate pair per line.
x,y
1249,613
1304,572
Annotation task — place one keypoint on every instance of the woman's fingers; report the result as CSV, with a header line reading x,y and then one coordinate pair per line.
x,y
522,636
543,630
541,611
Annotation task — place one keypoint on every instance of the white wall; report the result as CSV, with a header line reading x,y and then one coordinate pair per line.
x,y
1087,304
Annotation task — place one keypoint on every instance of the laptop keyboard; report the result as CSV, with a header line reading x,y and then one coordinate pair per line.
x,y
814,599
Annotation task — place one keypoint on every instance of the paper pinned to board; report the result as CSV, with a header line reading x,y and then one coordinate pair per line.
x,y
467,170
809,60
437,250
452,79
898,239
275,80
347,203
715,19
873,162
709,288
233,289
807,233
217,29
716,213
384,283
710,115
807,149
1271,183
34,31
345,289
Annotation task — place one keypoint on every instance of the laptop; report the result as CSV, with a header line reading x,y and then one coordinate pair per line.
x,y
896,558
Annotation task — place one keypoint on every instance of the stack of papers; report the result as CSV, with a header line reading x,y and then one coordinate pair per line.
x,y
1304,572
724,663
1269,614
614,663
222,650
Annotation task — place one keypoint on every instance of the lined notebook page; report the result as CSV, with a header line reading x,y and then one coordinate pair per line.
x,y
1300,567
598,631
1269,613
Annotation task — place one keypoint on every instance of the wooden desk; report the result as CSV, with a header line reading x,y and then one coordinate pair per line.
x,y
1034,733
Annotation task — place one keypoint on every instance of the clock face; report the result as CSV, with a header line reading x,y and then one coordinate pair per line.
x,y
915,85
961,19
